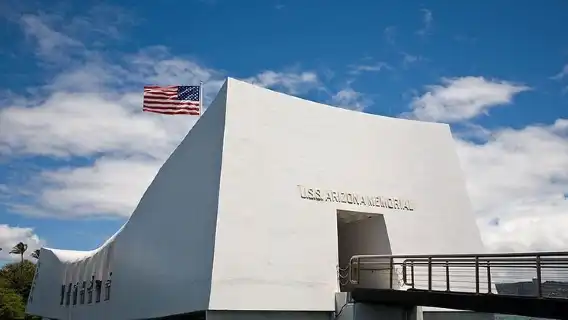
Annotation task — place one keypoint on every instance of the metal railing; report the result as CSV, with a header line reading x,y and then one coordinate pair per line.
x,y
542,274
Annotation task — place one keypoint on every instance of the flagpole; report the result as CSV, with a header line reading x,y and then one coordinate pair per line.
x,y
200,98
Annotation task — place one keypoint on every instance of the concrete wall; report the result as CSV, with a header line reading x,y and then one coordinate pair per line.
x,y
360,311
224,225
268,315
457,315
288,245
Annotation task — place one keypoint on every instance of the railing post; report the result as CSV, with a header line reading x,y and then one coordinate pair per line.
x,y
538,277
354,271
412,273
404,275
488,276
447,275
350,272
358,270
430,273
391,269
476,274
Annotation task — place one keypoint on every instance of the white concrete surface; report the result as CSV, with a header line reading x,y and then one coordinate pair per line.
x,y
225,225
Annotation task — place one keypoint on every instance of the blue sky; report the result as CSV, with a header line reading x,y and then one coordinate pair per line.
x,y
76,153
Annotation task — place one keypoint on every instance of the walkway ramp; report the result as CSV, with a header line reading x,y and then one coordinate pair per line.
x,y
524,284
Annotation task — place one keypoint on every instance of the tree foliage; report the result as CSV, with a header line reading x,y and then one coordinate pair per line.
x,y
11,305
15,285
19,277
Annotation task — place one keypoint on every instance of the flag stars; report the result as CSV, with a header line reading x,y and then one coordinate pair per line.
x,y
188,93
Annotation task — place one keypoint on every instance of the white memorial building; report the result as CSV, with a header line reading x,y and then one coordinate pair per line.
x,y
253,212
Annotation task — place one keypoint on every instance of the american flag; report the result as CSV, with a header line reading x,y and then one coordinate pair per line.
x,y
172,100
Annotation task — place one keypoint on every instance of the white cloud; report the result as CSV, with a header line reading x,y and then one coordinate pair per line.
x,y
427,19
156,65
60,36
49,42
348,98
290,82
87,124
110,187
408,59
375,67
517,181
10,236
560,75
458,99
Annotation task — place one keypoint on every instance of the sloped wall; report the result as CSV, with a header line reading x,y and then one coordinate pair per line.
x,y
165,253
161,260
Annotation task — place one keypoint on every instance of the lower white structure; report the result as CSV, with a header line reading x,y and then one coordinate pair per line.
x,y
256,208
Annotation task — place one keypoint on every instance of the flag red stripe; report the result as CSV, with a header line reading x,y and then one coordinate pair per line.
x,y
171,103
160,96
173,99
171,107
175,113
172,112
161,90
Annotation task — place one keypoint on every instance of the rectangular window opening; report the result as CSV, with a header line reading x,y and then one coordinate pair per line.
x,y
62,295
75,290
68,296
98,290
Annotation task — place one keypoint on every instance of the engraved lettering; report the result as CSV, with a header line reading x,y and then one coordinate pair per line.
x,y
318,194
311,193
302,192
395,203
384,202
327,195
